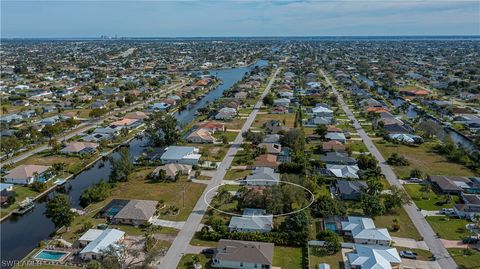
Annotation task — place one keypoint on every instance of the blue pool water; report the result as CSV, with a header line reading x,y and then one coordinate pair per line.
x,y
331,226
50,255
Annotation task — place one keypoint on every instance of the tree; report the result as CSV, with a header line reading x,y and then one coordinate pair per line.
x,y
97,112
366,161
58,210
416,173
121,167
38,186
321,130
95,193
254,137
93,264
123,256
326,206
298,222
372,205
397,160
396,198
294,139
53,143
162,129
332,241
268,100
10,145
374,186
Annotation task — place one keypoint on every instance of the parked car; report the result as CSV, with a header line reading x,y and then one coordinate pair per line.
x,y
447,211
208,251
408,254
470,240
415,180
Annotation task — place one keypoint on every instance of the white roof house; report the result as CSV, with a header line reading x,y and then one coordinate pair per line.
x,y
90,235
226,113
180,154
343,171
374,257
263,176
340,137
253,220
102,241
322,111
363,231
27,173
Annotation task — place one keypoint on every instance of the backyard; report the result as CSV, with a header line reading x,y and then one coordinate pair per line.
x,y
288,257
315,258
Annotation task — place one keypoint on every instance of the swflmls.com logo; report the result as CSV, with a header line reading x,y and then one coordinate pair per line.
x,y
13,263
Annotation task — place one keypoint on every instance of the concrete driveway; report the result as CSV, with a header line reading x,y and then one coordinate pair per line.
x,y
409,243
168,223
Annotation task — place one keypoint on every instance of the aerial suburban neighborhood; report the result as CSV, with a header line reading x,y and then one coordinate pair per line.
x,y
240,152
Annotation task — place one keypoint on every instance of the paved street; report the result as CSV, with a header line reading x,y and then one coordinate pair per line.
x,y
84,127
179,246
435,245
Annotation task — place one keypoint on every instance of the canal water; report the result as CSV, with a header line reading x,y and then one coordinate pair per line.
x,y
19,235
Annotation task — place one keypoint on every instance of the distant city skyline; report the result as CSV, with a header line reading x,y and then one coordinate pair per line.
x,y
75,19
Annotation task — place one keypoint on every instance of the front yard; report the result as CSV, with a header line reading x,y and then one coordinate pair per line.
x,y
407,229
449,228
466,258
429,200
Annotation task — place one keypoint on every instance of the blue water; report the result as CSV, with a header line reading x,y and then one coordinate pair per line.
x,y
331,226
50,255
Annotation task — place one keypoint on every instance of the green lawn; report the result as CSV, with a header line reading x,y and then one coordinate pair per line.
x,y
423,255
21,193
315,258
407,229
233,174
262,118
230,136
196,241
288,257
422,157
467,261
187,259
449,228
429,200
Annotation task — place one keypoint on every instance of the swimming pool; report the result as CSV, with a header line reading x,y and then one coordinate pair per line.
x,y
331,226
51,255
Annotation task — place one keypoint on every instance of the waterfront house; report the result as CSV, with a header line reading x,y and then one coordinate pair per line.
x,y
200,136
226,113
27,174
159,107
79,148
172,169
137,115
262,176
125,123
181,154
349,189
363,231
98,242
252,220
211,126
136,212
373,257
237,254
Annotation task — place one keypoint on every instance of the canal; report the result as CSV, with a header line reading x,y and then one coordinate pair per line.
x,y
19,235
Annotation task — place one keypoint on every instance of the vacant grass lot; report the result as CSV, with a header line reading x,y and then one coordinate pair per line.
x,y
449,228
315,258
262,118
407,229
422,157
467,261
211,152
434,201
288,257
236,174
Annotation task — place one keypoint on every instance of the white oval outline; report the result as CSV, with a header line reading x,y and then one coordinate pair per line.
x,y
270,215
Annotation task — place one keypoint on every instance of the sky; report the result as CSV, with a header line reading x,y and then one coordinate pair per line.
x,y
156,18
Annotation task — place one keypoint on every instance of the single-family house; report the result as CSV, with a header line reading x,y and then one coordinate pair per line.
x,y
470,208
333,145
136,212
172,169
266,160
334,157
374,257
343,171
285,102
252,220
125,123
211,126
455,184
237,254
200,136
136,115
349,189
363,231
271,148
340,137
181,154
322,111
226,113
28,173
79,148
101,241
159,106
262,176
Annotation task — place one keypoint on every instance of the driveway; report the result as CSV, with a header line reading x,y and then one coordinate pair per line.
x,y
409,243
433,243
167,223
420,264
453,243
